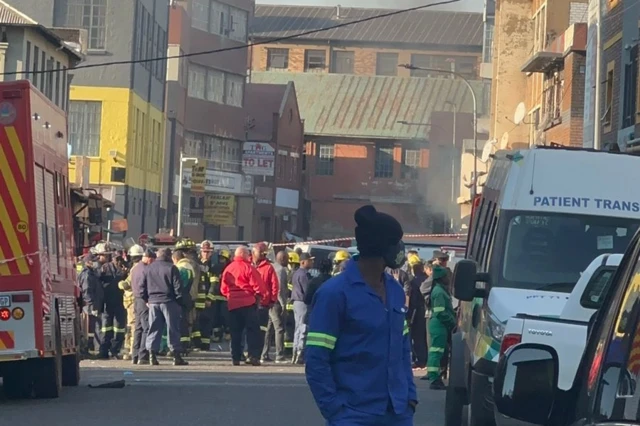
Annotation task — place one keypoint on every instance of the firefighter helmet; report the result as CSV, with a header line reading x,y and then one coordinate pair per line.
x,y
341,255
102,248
206,246
136,250
414,260
225,253
294,257
185,244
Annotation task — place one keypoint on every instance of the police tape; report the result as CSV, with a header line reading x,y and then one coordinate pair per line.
x,y
344,239
15,259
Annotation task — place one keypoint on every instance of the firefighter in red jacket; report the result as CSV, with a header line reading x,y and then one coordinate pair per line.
x,y
268,275
244,289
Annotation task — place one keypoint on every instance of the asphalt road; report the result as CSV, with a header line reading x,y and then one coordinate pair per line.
x,y
207,392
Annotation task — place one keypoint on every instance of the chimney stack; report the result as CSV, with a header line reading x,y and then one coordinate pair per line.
x,y
338,12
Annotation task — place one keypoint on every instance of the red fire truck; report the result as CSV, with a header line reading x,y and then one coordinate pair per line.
x,y
39,317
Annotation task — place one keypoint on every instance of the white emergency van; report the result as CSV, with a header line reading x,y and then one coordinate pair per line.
x,y
544,214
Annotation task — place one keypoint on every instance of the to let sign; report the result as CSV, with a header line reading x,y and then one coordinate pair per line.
x,y
258,159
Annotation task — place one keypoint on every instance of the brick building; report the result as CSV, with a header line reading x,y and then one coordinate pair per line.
x,y
205,107
273,155
359,152
427,38
538,68
612,73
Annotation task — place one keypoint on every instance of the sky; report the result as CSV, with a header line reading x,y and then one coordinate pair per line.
x,y
463,5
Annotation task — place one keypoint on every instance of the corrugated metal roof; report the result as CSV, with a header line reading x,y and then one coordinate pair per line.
x,y
10,15
431,27
371,106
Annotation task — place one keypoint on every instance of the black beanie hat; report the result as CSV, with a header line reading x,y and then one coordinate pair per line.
x,y
375,231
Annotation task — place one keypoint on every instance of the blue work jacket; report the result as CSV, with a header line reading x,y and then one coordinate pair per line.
x,y
358,353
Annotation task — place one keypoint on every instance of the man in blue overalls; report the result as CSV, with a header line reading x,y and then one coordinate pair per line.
x,y
358,362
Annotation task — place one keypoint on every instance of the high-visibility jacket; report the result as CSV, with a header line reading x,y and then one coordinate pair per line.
x,y
207,281
214,291
125,285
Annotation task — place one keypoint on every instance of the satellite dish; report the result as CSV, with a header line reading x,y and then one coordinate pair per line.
x,y
521,112
504,140
487,150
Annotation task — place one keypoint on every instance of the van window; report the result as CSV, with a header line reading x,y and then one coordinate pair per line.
x,y
596,288
549,251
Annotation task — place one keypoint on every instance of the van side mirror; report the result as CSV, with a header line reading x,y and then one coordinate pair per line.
x,y
526,383
465,276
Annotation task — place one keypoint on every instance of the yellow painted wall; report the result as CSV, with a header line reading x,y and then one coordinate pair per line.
x,y
131,127
146,145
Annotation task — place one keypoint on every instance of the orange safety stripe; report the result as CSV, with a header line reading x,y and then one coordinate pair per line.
x,y
7,340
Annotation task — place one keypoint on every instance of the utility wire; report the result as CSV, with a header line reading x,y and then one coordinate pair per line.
x,y
244,46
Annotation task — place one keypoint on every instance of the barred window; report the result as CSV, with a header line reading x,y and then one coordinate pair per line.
x,y
384,162
92,16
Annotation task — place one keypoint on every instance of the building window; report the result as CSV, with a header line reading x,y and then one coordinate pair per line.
x,y
200,14
234,90
90,15
487,47
384,162
410,163
84,128
197,81
343,62
277,59
315,60
630,88
239,20
387,64
219,19
540,30
43,75
324,160
608,98
466,66
282,164
553,89
215,86
433,63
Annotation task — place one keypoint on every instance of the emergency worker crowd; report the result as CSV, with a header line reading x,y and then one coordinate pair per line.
x,y
171,301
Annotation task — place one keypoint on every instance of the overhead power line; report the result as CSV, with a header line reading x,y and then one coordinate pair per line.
x,y
244,46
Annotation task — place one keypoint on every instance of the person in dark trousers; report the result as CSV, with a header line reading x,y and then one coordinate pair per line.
x,y
289,318
141,311
300,282
219,307
416,314
162,290
326,270
93,298
358,360
275,326
113,322
245,291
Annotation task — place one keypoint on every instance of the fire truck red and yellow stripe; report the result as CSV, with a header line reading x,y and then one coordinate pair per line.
x,y
15,234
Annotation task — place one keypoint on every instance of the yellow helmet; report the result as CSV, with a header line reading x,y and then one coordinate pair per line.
x,y
185,244
294,257
225,253
414,260
341,255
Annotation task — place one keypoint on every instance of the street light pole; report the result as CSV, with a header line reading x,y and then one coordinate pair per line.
x,y
183,159
475,118
453,162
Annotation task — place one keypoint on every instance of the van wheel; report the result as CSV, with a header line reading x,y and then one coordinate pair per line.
x,y
17,381
477,412
48,379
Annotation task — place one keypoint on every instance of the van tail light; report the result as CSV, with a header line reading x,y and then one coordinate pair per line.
x,y
509,340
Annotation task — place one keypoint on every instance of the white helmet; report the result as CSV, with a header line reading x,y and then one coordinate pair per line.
x,y
102,248
136,250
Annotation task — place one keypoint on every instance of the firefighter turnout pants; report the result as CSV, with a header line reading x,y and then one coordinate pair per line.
x,y
113,323
220,320
186,320
289,328
131,326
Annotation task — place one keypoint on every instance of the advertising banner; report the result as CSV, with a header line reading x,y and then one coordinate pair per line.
x,y
258,159
199,177
220,209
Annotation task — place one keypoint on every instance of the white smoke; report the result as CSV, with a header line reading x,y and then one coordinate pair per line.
x,y
462,5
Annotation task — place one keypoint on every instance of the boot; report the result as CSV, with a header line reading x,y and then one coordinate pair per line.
x,y
294,360
177,360
300,358
135,360
437,384
153,360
